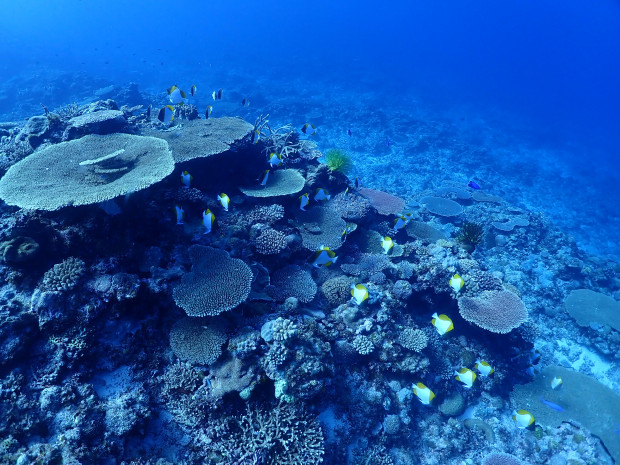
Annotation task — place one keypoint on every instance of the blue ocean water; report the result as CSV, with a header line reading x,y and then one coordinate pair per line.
x,y
520,97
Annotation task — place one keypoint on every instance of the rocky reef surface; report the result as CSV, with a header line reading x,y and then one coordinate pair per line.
x,y
143,320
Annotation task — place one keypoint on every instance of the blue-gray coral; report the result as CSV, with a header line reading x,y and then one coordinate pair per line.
x,y
197,340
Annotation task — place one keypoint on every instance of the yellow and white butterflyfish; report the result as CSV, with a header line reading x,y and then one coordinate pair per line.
x,y
321,195
186,179
359,293
465,376
484,368
274,159
386,244
309,129
224,200
556,383
176,95
424,394
304,200
166,114
208,111
180,214
193,90
324,257
217,94
400,223
208,218
456,283
264,178
523,418
442,323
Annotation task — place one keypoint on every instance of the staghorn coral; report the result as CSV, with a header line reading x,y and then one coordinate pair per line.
x,y
85,171
292,281
495,311
64,275
282,435
217,283
270,242
194,340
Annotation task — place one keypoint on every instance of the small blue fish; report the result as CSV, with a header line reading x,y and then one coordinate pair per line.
x,y
349,132
473,184
552,405
358,183
387,142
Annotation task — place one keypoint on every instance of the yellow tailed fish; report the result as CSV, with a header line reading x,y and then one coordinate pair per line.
x,y
309,129
523,418
465,376
359,293
424,394
556,383
484,368
208,218
186,179
193,90
386,244
321,195
274,159
166,114
442,323
400,223
456,283
324,257
180,214
208,111
264,178
224,200
176,95
303,202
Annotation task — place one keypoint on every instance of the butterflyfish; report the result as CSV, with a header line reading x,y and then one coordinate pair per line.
x,y
264,178
400,223
166,114
523,418
224,200
424,394
309,129
180,214
321,195
386,244
484,368
245,102
304,200
186,179
274,159
556,383
359,293
324,257
193,90
208,218
456,283
465,376
208,111
442,323
176,95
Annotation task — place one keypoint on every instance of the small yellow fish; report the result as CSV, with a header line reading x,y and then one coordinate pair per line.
x,y
424,394
523,418
321,195
303,201
484,368
386,244
166,114
274,159
465,376
359,293
456,283
193,90
208,218
180,214
324,257
556,383
208,111
309,129
176,95
224,200
442,323
186,179
400,223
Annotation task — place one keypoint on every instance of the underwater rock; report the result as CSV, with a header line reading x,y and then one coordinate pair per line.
x,y
587,307
35,130
99,122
